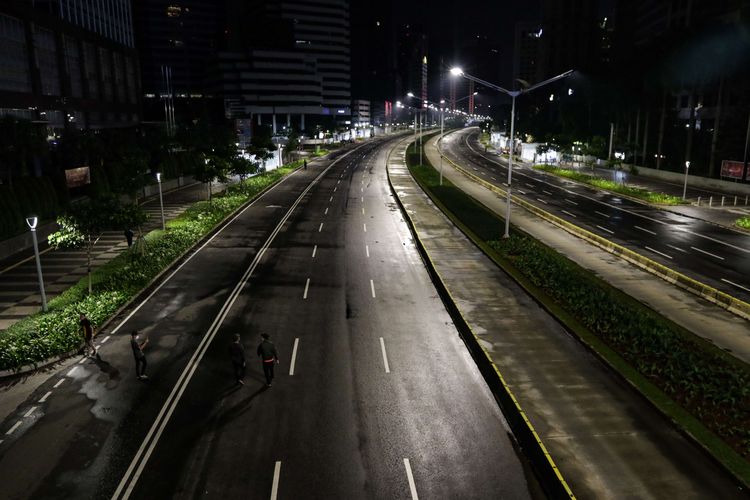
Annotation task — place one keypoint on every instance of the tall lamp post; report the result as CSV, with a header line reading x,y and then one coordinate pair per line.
x,y
684,188
513,94
32,222
161,201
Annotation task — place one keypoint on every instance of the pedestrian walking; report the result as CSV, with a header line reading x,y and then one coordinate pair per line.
x,y
88,335
304,164
268,356
237,356
140,359
129,236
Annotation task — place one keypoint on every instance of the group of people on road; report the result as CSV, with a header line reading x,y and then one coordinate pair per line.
x,y
266,351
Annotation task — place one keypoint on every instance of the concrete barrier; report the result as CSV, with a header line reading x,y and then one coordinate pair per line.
x,y
724,300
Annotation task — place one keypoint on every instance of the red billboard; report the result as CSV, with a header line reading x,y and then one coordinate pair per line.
x,y
732,169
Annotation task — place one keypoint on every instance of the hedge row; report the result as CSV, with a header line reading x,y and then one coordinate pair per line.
x,y
45,335
27,196
743,222
710,385
643,194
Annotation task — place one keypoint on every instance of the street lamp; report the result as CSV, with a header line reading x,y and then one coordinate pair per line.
x,y
161,201
513,94
32,222
684,189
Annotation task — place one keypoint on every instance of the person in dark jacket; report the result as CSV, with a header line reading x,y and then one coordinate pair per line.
x,y
268,356
140,359
237,356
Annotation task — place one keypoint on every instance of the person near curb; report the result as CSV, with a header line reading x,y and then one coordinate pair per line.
x,y
268,356
304,163
89,349
140,358
237,356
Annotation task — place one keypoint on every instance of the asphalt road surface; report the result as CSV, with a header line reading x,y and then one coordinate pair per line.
x,y
703,251
375,395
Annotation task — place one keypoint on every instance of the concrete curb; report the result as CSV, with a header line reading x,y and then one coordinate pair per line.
x,y
721,299
523,430
25,369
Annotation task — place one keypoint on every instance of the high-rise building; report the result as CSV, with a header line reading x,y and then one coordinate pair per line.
x,y
526,52
68,63
294,59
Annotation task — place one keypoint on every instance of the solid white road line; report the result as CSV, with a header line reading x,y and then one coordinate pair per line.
x,y
539,199
735,284
15,426
601,213
660,253
571,201
326,212
315,249
410,477
645,230
135,469
320,228
707,253
275,485
59,383
385,357
605,229
676,248
365,226
307,286
28,413
294,356
566,212
367,250
372,288
44,398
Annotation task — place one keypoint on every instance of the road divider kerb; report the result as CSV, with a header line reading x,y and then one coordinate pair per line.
x,y
523,430
707,292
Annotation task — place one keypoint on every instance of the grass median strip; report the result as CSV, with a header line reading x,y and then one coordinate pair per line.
x,y
45,335
705,391
598,182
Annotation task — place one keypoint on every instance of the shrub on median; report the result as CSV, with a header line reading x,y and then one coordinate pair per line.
x,y
649,196
708,385
713,387
743,222
44,335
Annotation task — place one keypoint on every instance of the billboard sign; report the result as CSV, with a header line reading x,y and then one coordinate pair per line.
x,y
76,177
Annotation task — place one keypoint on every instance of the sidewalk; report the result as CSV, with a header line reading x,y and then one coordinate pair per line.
x,y
19,288
605,439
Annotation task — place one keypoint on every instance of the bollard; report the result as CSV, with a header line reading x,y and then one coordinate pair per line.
x,y
710,201
745,200
735,201
722,201
699,201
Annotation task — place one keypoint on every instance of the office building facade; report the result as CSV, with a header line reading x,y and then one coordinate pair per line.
x,y
69,64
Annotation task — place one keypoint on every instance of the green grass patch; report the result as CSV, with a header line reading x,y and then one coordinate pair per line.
x,y
591,180
703,389
44,335
743,222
